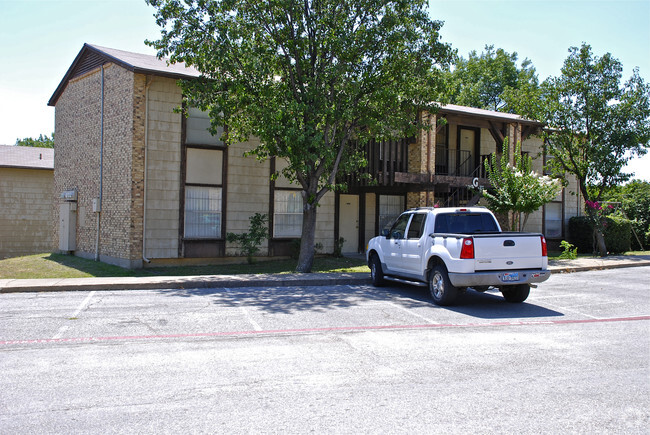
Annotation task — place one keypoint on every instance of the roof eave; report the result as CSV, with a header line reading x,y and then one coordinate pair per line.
x,y
496,116
109,58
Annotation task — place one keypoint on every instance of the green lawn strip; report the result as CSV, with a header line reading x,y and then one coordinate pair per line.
x,y
67,266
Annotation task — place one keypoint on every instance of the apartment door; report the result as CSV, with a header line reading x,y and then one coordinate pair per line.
x,y
349,222
466,151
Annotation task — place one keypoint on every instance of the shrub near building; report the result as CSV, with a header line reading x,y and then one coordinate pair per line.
x,y
618,234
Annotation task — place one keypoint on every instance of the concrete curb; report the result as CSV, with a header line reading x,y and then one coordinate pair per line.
x,y
268,280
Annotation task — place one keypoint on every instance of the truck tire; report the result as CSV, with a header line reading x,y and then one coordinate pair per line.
x,y
515,293
441,289
376,272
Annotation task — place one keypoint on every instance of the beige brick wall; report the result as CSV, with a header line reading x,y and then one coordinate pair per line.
x,y
163,169
487,143
325,223
77,161
248,191
25,211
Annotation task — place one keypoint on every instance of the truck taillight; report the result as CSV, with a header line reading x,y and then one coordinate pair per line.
x,y
467,251
544,249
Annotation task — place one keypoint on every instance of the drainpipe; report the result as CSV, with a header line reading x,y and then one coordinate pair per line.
x,y
101,170
146,146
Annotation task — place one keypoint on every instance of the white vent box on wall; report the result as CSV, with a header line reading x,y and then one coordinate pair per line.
x,y
69,195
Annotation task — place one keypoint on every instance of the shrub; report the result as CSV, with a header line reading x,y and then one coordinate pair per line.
x,y
639,230
250,242
581,234
338,247
618,234
570,252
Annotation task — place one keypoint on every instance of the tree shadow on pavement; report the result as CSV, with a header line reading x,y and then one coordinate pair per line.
x,y
294,299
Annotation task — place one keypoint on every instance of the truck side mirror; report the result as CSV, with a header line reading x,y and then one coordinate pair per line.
x,y
384,232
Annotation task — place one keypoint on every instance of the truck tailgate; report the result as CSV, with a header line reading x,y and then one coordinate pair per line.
x,y
508,251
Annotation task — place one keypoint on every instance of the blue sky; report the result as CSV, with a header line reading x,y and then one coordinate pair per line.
x,y
42,37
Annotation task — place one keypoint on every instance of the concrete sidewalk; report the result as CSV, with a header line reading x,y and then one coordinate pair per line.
x,y
268,280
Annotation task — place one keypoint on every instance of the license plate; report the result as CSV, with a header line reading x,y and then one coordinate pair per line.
x,y
510,276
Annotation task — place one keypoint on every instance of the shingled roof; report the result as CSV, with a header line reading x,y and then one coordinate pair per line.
x,y
489,115
26,157
93,56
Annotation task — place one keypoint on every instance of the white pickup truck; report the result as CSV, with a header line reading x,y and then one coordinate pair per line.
x,y
452,249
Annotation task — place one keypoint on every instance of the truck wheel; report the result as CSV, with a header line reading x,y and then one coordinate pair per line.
x,y
515,293
376,272
441,289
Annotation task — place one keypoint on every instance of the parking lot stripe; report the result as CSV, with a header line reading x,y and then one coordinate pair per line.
x,y
246,313
83,305
410,312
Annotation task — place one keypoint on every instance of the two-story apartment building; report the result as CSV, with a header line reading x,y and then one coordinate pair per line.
x,y
136,182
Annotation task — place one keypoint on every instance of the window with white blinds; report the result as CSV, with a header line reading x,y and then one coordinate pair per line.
x,y
202,212
287,215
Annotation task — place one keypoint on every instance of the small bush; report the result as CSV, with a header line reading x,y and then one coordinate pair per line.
x,y
570,252
250,242
338,247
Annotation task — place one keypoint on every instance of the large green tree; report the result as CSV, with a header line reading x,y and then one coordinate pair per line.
x,y
597,124
39,142
484,80
307,77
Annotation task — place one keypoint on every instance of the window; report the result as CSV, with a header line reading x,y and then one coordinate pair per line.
x,y
390,207
465,223
287,214
197,129
204,166
553,220
399,227
417,226
202,212
204,178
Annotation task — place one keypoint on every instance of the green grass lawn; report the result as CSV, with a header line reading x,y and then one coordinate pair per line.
x,y
67,266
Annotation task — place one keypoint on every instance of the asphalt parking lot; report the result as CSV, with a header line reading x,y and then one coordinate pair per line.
x,y
339,359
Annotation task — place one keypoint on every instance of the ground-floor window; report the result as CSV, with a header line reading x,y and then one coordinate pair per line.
x,y
553,220
202,212
390,207
287,214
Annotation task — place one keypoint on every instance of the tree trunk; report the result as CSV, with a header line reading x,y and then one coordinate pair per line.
x,y
598,231
600,241
523,225
306,256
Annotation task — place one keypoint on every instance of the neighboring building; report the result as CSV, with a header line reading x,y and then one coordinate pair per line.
x,y
26,186
170,191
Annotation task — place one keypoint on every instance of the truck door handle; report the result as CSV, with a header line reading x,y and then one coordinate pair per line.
x,y
509,243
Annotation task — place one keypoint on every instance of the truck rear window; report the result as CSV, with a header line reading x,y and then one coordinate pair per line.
x,y
465,223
